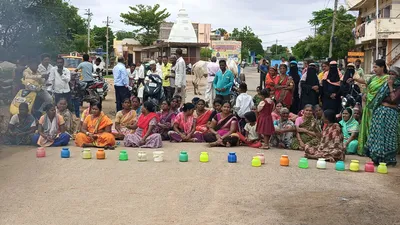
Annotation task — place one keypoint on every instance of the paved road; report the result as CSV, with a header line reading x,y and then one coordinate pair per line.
x,y
59,191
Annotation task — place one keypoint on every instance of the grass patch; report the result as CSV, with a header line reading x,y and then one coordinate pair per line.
x,y
109,76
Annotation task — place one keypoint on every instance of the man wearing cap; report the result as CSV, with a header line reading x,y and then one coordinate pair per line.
x,y
121,83
154,69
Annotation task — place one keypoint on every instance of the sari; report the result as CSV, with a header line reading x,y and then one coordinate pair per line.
x,y
125,120
202,121
154,140
257,99
185,125
96,126
348,128
271,82
69,119
51,128
374,85
284,96
166,119
284,138
330,147
309,124
20,126
223,127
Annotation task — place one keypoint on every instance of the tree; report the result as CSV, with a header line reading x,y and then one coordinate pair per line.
x,y
250,42
277,51
32,27
205,53
318,46
148,19
121,35
100,40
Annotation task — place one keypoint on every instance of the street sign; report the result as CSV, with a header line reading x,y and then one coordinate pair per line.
x,y
355,54
353,59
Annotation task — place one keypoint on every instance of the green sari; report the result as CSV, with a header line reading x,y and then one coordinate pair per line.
x,y
374,85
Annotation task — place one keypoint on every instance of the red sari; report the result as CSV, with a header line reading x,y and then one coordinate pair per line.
x,y
284,96
202,120
144,121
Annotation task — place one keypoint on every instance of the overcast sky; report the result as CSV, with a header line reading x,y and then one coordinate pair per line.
x,y
282,20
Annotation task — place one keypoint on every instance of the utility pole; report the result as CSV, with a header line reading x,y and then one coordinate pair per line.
x,y
108,21
89,19
377,30
276,47
333,28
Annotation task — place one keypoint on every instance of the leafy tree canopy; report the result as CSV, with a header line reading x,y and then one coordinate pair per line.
x,y
148,19
120,35
100,40
250,42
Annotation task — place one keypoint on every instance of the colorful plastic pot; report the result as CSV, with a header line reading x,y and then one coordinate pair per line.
x,y
303,163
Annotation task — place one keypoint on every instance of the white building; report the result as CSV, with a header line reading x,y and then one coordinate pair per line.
x,y
388,30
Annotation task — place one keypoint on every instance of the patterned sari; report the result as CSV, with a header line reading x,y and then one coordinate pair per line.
x,y
284,96
223,127
19,127
374,85
309,124
166,119
125,120
69,119
202,120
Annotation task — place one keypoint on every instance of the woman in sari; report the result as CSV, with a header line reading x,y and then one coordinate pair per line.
x,y
284,131
166,118
331,89
383,140
284,87
136,105
331,145
175,106
202,115
145,135
309,87
276,115
85,114
124,120
271,80
184,129
69,118
51,130
96,130
222,129
308,130
374,84
21,127
350,129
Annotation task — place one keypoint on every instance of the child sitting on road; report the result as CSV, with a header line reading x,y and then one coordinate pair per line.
x,y
251,139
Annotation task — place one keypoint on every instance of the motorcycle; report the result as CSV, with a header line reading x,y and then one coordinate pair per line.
x,y
6,90
234,91
87,91
29,96
98,77
153,90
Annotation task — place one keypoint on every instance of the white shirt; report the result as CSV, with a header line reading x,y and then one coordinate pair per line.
x,y
244,103
140,73
100,66
60,83
212,69
252,131
159,72
180,73
131,75
43,70
158,66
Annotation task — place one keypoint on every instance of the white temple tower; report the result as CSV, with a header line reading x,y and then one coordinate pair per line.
x,y
182,30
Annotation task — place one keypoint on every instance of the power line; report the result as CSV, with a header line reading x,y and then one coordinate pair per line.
x,y
287,31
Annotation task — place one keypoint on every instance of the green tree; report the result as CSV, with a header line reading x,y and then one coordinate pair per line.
x,y
278,51
148,19
120,35
318,46
205,53
100,40
250,42
32,27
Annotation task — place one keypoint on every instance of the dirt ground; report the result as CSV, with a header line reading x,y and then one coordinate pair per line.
x,y
59,191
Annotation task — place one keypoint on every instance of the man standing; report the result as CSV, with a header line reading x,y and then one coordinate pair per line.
x,y
140,74
154,69
283,61
121,83
263,73
159,63
172,60
223,82
180,75
98,65
212,69
59,78
359,70
166,72
44,68
87,69
132,74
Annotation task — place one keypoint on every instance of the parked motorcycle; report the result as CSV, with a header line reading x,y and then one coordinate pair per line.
x,y
6,91
234,91
29,96
153,90
98,76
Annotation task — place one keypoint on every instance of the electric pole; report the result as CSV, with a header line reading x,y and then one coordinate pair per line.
x,y
276,47
89,19
333,28
107,22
